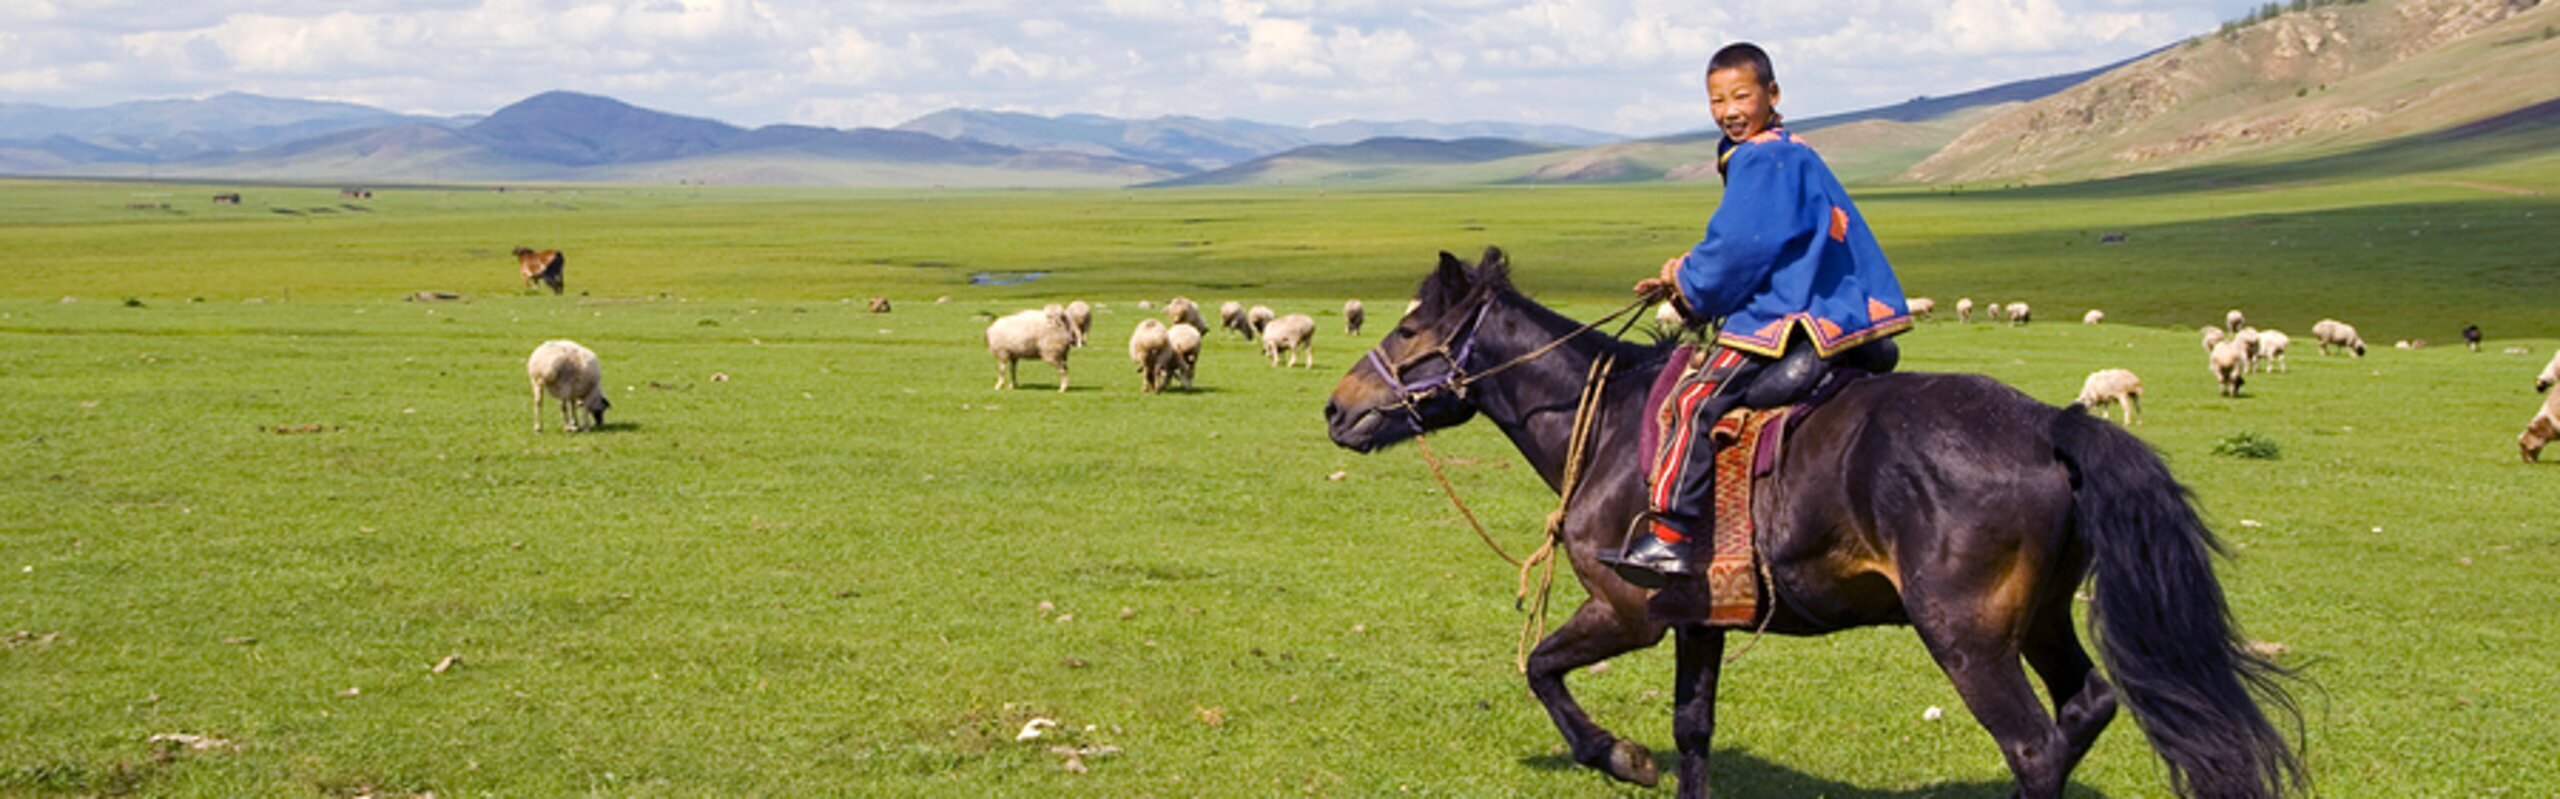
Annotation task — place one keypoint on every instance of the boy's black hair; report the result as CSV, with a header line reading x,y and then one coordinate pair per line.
x,y
1739,54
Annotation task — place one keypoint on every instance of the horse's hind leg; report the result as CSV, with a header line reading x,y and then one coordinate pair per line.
x,y
1594,633
2082,698
1981,657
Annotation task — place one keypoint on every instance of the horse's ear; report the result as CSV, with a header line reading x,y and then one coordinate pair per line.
x,y
1451,278
1494,271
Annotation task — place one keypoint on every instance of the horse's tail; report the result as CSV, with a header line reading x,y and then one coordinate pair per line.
x,y
2162,625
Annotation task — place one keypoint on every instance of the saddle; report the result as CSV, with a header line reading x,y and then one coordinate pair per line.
x,y
1750,442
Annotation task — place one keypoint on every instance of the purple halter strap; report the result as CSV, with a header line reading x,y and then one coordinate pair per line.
x,y
1408,391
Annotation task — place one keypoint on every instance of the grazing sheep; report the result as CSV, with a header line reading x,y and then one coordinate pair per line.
x,y
1993,309
1182,311
1667,319
1043,334
2018,313
2094,316
1153,354
2544,427
2248,338
2334,333
2233,321
879,304
2212,337
2550,375
2271,347
1080,316
571,374
1352,315
2113,387
2471,336
1257,318
1293,334
1921,307
1146,305
2410,344
1184,341
1231,317
1964,309
2230,361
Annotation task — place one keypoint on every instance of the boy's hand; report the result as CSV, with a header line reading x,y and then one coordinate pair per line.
x,y
1667,282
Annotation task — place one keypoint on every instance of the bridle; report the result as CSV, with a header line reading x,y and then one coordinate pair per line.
x,y
1411,393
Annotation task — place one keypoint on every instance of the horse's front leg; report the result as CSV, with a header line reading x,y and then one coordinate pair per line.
x,y
1595,633
1693,716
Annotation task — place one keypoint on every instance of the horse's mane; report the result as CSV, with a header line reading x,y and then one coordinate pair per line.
x,y
1457,284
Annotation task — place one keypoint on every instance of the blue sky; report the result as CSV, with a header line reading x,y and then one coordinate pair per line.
x,y
1626,66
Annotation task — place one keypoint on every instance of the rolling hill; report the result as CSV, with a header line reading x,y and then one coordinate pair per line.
x,y
2304,84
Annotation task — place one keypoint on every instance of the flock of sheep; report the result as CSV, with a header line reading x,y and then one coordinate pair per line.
x,y
1166,351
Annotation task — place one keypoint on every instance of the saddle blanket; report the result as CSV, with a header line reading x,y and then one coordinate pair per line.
x,y
1748,442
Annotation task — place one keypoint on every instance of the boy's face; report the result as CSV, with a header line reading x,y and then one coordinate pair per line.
x,y
1741,105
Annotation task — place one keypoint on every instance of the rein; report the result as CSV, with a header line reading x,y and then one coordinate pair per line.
x,y
1586,415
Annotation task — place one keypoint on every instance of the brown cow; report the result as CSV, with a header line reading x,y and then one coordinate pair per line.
x,y
547,266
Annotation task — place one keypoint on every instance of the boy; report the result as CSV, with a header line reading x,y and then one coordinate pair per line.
x,y
1796,275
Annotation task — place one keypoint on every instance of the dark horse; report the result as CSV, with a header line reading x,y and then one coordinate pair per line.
x,y
547,267
1950,503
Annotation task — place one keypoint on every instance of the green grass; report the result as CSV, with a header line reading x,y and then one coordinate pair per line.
x,y
825,575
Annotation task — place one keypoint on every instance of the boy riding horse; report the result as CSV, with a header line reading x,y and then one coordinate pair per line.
x,y
1795,273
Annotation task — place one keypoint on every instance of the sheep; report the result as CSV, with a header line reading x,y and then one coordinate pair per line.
x,y
2113,387
2017,313
571,374
2334,333
1964,309
2544,427
1181,310
1991,310
1667,319
1043,334
1258,317
2230,361
1922,307
1080,316
2550,375
1352,315
1152,352
1231,317
2212,337
2271,347
1184,342
2248,338
2233,321
1292,334
2094,316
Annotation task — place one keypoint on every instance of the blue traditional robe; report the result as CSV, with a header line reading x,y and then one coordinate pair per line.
x,y
1787,251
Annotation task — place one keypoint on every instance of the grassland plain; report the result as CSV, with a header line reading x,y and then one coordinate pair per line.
x,y
850,568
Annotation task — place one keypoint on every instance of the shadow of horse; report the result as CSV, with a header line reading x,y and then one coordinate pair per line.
x,y
1739,772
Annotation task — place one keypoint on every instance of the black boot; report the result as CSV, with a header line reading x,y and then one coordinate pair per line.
x,y
1649,559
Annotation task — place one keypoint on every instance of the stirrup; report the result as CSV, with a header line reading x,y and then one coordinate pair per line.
x,y
1646,559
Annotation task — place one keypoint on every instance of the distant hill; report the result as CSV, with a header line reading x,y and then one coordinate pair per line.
x,y
2303,84
167,130
1210,144
1367,160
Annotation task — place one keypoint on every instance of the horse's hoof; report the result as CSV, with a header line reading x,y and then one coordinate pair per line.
x,y
1631,762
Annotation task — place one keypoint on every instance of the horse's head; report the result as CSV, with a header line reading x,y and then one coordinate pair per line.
x,y
1412,382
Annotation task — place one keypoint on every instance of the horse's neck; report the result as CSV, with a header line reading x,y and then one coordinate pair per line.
x,y
1533,403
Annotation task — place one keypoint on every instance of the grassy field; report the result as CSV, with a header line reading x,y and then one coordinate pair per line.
x,y
262,500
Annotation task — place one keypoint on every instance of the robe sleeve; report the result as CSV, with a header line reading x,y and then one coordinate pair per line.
x,y
1762,212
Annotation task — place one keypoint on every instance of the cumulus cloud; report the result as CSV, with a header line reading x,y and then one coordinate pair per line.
x,y
1625,65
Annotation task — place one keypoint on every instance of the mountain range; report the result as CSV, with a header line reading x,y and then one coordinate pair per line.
x,y
2325,80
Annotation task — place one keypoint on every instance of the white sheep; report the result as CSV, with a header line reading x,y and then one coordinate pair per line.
x,y
1080,316
1993,309
2248,338
1231,317
2017,313
2212,337
2544,427
1667,319
2094,316
1964,309
1042,334
2271,347
2334,333
1257,318
1184,342
1182,311
571,374
1293,334
2233,321
2229,362
2550,375
2113,387
1353,314
1152,352
1922,307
